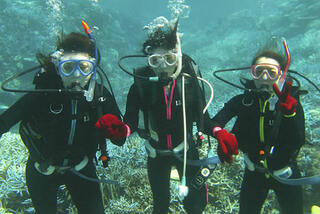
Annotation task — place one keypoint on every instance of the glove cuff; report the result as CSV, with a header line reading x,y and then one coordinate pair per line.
x,y
215,130
290,115
128,130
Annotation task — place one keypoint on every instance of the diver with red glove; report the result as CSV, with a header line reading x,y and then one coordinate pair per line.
x,y
164,112
57,125
269,129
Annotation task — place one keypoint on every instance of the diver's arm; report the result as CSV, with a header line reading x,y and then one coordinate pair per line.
x,y
17,112
131,116
111,107
295,128
227,143
291,134
291,137
229,111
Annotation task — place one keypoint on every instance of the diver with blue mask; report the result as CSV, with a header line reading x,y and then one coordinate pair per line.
x,y
76,70
63,124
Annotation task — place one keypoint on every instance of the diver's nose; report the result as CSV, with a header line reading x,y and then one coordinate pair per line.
x,y
265,76
163,65
77,73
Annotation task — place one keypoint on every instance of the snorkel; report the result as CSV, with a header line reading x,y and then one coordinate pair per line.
x,y
283,77
90,92
274,99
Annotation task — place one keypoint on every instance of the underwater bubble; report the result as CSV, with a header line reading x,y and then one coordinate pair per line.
x,y
55,14
179,9
159,22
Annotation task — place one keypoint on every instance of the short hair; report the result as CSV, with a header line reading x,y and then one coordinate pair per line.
x,y
161,38
73,42
76,42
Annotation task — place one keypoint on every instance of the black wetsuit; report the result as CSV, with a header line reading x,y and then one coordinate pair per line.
x,y
50,116
166,120
290,138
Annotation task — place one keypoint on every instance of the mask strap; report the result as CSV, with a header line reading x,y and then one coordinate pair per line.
x,y
55,56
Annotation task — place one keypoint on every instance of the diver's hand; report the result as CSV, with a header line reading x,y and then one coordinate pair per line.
x,y
228,144
287,104
112,127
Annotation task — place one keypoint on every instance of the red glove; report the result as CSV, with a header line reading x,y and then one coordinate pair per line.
x,y
112,127
228,144
287,104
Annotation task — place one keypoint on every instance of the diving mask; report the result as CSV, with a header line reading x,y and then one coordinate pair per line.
x,y
169,59
84,66
272,71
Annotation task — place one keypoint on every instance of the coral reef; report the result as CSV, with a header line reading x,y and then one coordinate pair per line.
x,y
133,194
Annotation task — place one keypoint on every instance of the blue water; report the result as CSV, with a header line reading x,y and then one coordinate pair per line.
x,y
217,34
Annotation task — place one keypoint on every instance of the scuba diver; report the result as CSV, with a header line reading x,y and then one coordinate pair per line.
x,y
61,128
164,104
270,130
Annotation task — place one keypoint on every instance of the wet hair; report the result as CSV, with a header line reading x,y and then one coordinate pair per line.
x,y
271,51
273,55
76,42
273,48
166,39
73,42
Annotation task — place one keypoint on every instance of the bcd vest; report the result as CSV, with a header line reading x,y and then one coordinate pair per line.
x,y
151,92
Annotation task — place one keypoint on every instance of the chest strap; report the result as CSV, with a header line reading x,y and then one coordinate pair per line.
x,y
153,153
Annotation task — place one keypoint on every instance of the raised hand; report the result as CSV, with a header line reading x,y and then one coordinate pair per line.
x,y
287,104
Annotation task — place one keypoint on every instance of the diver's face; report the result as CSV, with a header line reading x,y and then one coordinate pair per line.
x,y
163,61
268,72
75,70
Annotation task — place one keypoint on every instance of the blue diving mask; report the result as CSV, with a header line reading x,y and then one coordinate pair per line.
x,y
84,66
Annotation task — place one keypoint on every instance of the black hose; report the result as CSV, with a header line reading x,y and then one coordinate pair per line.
x,y
105,181
3,85
107,79
304,77
230,83
132,74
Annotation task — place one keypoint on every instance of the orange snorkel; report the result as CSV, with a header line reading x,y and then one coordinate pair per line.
x,y
86,29
88,32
